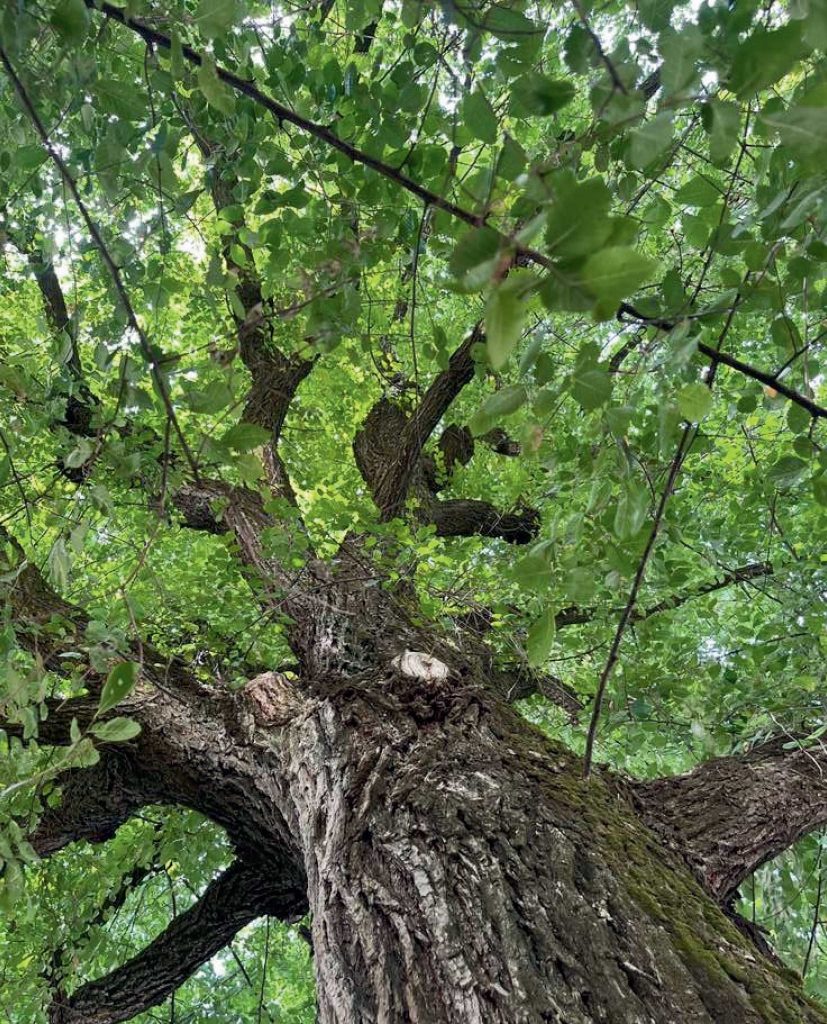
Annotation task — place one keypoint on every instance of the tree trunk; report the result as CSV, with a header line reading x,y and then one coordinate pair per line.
x,y
458,869
457,865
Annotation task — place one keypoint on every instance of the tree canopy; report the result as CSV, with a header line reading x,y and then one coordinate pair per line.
x,y
564,265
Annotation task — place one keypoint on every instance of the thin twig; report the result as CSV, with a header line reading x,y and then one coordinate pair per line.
x,y
628,611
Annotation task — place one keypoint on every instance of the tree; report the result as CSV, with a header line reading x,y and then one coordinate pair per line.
x,y
412,504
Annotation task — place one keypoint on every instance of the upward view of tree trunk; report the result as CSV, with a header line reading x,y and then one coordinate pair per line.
x,y
456,864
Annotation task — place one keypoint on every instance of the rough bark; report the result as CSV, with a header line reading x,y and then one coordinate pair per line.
x,y
732,814
95,802
460,870
457,866
388,451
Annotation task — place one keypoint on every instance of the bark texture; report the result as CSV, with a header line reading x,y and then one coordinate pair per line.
x,y
731,815
456,866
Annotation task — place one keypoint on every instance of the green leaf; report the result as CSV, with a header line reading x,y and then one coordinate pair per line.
x,y
616,272
512,159
631,510
244,437
786,472
651,140
699,191
119,684
474,256
535,571
120,98
83,754
764,57
591,387
722,120
479,116
59,564
580,585
79,455
504,315
578,222
802,129
680,50
501,403
211,399
540,638
216,17
70,19
798,419
694,401
27,158
216,93
115,730
534,95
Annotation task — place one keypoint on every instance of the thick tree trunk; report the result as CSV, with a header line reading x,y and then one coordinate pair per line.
x,y
460,870
457,866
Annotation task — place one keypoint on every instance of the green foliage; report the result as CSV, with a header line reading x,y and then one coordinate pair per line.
x,y
699,205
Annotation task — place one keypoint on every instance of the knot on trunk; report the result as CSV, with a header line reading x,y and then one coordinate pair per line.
x,y
272,699
423,667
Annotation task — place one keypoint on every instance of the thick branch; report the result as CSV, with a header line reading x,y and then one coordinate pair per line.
x,y
275,376
54,729
233,900
732,814
516,682
381,458
466,517
390,486
94,803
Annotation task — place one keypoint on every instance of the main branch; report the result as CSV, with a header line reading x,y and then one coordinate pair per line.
x,y
233,900
732,814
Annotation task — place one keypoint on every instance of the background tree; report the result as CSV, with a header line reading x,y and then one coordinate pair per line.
x,y
412,462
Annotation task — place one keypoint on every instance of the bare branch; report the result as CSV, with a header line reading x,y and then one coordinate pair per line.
x,y
466,517
631,603
237,897
769,380
577,616
732,814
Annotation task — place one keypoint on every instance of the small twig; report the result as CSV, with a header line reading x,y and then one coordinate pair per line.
x,y
816,914
628,611
584,21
